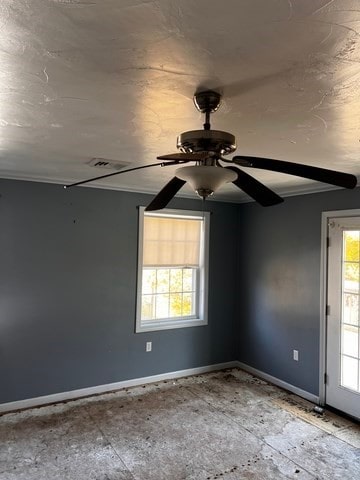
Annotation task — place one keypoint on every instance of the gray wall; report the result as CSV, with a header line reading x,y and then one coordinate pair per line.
x,y
68,285
279,285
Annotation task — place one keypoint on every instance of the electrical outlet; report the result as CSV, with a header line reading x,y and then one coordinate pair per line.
x,y
296,355
148,347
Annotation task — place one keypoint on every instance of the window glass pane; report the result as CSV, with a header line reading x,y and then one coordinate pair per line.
x,y
176,280
162,280
351,309
351,246
188,284
148,281
162,306
163,295
351,277
349,373
350,340
188,304
147,307
176,305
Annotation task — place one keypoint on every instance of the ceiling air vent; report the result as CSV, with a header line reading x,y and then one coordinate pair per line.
x,y
106,164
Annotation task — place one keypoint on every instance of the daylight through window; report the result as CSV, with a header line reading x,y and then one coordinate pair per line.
x,y
172,269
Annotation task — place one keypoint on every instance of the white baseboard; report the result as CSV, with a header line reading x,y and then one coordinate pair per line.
x,y
86,392
280,383
110,387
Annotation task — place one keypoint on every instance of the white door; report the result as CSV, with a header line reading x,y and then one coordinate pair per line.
x,y
343,339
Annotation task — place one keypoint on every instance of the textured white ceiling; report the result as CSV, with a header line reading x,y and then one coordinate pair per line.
x,y
115,78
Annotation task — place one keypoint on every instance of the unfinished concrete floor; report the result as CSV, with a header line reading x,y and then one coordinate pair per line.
x,y
226,425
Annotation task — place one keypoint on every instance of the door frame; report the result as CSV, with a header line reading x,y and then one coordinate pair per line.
x,y
323,292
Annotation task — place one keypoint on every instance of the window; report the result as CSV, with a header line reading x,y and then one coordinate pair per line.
x,y
172,269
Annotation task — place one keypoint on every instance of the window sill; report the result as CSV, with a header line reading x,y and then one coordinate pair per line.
x,y
169,324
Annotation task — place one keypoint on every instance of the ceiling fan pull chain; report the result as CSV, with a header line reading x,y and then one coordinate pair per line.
x,y
203,207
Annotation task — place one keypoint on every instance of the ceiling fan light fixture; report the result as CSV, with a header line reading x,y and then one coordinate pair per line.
x,y
205,179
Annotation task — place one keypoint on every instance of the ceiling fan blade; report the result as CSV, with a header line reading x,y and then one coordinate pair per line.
x,y
340,179
255,189
186,157
166,194
161,164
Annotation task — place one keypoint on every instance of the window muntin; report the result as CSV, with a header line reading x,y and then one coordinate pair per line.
x,y
172,269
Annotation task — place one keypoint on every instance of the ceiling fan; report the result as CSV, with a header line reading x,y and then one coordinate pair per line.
x,y
207,148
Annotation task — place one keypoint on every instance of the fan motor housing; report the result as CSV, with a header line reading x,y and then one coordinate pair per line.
x,y
221,143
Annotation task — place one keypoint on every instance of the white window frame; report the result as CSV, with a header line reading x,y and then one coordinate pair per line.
x,y
201,317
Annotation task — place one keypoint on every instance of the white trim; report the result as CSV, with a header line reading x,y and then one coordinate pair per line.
x,y
294,192
323,292
67,181
280,383
323,303
110,387
307,189
343,213
201,316
297,190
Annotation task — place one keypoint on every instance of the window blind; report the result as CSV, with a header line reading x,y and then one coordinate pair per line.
x,y
170,241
